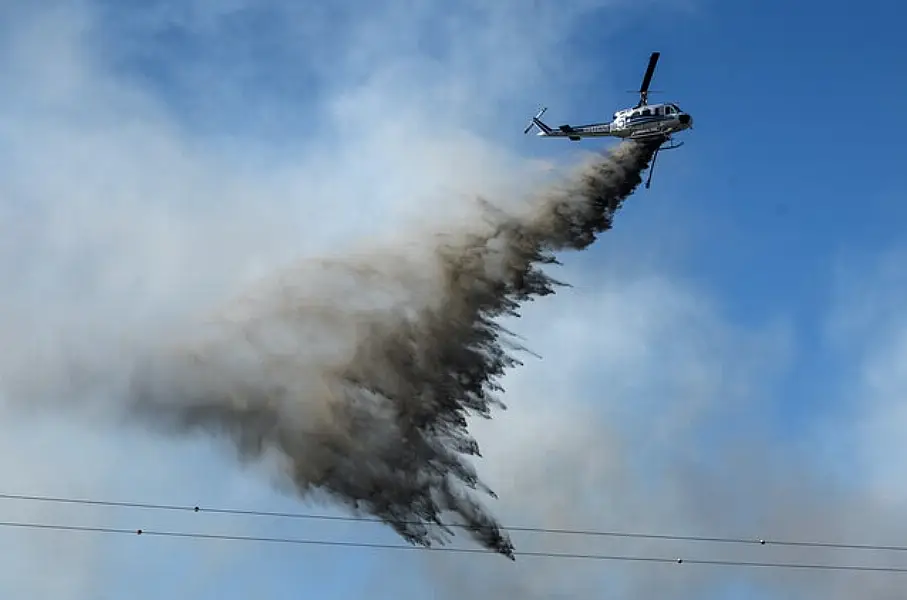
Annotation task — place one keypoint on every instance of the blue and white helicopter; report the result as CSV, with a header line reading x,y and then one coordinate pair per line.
x,y
643,122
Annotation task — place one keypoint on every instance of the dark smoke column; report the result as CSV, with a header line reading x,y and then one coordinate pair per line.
x,y
385,431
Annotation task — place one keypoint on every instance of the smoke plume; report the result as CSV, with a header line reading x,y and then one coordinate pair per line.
x,y
364,391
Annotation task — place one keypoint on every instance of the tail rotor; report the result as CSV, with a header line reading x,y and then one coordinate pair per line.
x,y
534,121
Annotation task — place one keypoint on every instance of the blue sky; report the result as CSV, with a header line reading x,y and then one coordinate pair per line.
x,y
728,362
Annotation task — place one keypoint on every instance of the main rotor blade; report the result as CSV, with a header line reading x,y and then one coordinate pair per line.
x,y
647,79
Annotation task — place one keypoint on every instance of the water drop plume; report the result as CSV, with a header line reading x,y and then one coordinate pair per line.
x,y
360,375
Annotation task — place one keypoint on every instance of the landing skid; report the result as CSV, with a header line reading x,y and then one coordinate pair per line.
x,y
672,144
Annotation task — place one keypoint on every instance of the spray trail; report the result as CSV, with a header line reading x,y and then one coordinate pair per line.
x,y
361,375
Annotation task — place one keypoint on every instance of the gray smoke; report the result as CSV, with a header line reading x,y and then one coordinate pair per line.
x,y
361,374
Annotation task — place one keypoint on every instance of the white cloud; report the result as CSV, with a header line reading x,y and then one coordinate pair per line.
x,y
868,329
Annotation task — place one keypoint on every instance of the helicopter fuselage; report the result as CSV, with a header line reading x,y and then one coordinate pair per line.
x,y
650,120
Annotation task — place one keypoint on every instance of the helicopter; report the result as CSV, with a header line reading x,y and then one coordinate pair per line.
x,y
644,122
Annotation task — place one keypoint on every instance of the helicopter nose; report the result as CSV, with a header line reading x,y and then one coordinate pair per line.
x,y
685,119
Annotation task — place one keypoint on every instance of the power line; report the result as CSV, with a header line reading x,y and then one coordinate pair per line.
x,y
378,546
574,532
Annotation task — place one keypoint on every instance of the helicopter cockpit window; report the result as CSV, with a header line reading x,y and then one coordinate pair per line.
x,y
646,112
